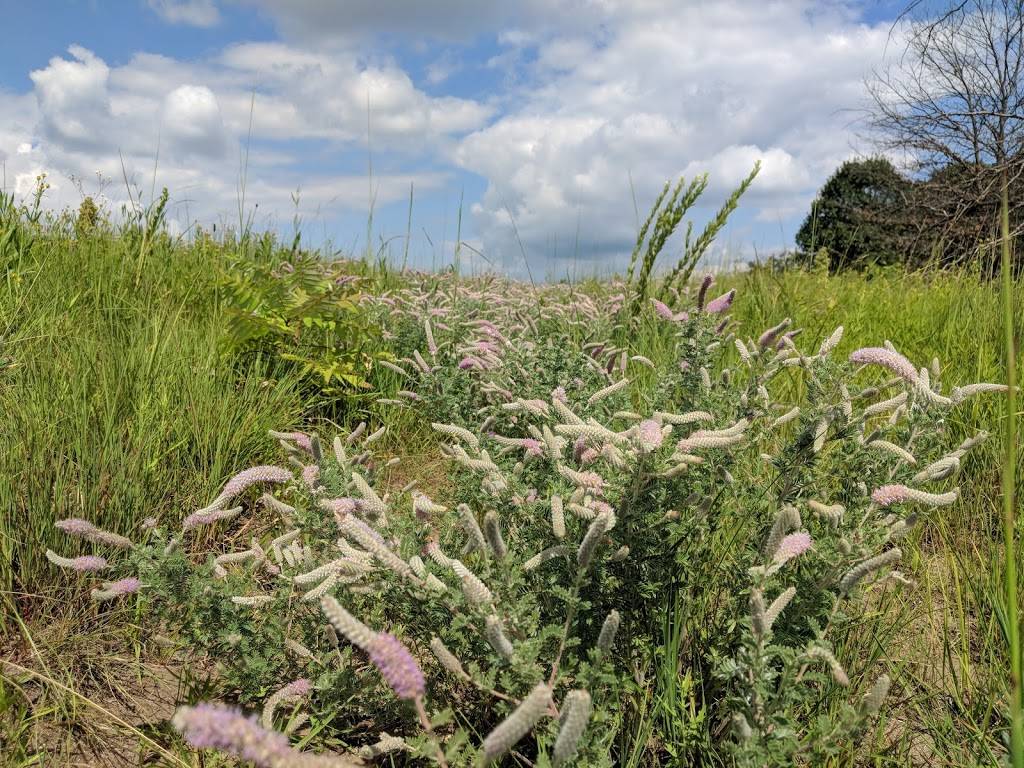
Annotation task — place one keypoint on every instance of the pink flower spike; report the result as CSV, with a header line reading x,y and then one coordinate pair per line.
x,y
791,546
532,447
397,666
215,726
650,434
886,358
88,563
721,304
662,309
311,475
124,586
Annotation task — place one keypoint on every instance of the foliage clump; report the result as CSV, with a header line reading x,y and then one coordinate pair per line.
x,y
519,617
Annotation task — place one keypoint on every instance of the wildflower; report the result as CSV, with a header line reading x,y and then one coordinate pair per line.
x,y
650,436
495,634
557,517
791,546
83,564
208,517
354,630
459,433
610,627
895,494
252,601
896,450
608,391
247,479
962,393
519,723
544,556
447,658
472,528
785,521
945,467
575,715
831,342
291,692
384,745
872,701
112,589
721,304
662,309
778,605
838,673
787,417
301,439
588,480
595,532
492,532
532,447
397,666
85,530
214,726
767,338
869,566
886,358
311,476
702,293
758,614
476,591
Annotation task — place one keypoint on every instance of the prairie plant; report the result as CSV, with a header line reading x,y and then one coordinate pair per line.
x,y
518,618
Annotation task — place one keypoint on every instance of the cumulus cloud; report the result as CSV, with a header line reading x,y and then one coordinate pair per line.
x,y
192,121
663,89
194,13
158,121
589,103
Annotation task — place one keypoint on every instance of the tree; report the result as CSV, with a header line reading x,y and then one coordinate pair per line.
x,y
856,215
953,105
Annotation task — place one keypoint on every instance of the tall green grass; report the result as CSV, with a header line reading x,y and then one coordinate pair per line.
x,y
116,401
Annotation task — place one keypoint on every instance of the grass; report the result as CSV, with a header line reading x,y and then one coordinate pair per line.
x,y
118,404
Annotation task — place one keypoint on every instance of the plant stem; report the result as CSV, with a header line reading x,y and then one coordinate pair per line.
x,y
1008,483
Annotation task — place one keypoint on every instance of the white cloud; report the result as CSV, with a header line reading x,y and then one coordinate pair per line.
x,y
162,122
194,13
595,95
663,89
192,121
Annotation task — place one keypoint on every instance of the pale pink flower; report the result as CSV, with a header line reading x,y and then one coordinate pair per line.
x,y
311,475
721,304
215,726
663,309
791,546
88,563
650,434
886,358
397,666
532,447
76,526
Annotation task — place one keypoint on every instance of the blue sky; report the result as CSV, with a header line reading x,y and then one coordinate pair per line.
x,y
545,117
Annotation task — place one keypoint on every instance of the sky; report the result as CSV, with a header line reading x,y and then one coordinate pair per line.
x,y
534,132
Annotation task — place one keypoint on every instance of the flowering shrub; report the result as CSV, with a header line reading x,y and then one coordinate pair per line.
x,y
518,617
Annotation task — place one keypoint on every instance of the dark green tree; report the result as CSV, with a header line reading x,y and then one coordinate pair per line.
x,y
858,216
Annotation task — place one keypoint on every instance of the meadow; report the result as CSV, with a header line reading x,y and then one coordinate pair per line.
x,y
537,524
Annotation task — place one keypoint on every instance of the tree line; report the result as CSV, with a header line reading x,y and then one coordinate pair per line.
x,y
948,107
